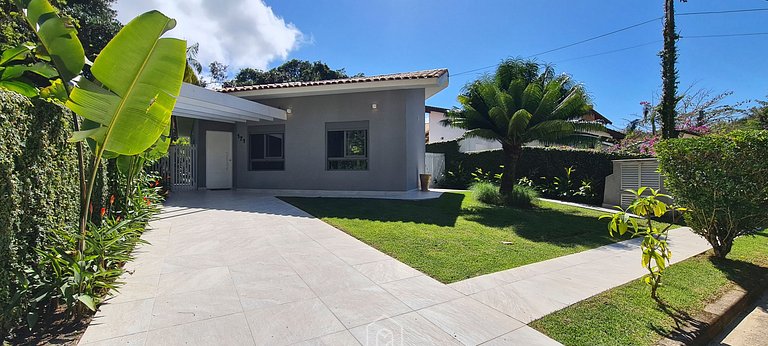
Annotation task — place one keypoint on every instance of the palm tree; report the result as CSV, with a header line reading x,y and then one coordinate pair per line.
x,y
194,68
522,103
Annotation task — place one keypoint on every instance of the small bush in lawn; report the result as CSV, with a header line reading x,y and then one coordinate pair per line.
x,y
487,193
521,197
722,180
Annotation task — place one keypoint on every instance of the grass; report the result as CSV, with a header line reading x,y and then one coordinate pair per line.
x,y
626,315
455,237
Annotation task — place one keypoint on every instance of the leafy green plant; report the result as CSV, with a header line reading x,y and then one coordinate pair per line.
x,y
655,250
723,180
479,175
521,197
487,193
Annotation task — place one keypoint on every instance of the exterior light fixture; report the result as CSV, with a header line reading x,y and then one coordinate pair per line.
x,y
374,106
289,111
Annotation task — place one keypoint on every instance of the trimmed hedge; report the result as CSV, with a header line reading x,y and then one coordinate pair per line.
x,y
536,162
723,180
38,184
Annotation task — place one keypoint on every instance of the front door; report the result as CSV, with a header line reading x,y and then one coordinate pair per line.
x,y
218,160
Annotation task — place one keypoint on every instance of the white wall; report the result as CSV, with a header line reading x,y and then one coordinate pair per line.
x,y
440,133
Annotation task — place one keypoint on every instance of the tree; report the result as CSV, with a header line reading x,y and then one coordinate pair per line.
x,y
193,68
523,102
669,80
291,71
96,23
218,72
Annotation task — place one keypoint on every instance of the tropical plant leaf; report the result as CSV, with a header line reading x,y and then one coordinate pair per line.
x,y
58,36
88,301
20,52
143,77
19,87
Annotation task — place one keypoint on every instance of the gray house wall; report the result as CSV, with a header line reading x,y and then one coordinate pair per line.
x,y
395,142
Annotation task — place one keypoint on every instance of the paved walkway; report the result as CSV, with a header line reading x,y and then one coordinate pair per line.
x,y
240,268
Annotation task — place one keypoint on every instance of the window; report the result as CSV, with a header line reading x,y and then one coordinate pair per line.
x,y
266,152
347,149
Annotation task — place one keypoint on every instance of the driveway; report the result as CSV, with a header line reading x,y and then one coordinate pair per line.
x,y
243,268
240,268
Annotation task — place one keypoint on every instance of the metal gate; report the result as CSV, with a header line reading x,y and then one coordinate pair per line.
x,y
179,168
434,164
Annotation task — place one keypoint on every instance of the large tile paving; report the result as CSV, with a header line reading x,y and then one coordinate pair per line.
x,y
243,267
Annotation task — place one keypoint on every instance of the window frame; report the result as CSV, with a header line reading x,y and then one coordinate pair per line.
x,y
346,157
266,158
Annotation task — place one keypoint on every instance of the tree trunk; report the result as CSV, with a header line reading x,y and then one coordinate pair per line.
x,y
669,73
511,155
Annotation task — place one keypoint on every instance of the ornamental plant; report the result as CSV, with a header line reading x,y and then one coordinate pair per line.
x,y
655,250
723,180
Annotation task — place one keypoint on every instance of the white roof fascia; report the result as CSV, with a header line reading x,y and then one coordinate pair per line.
x,y
431,86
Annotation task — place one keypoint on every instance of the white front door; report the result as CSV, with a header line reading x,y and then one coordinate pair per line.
x,y
218,160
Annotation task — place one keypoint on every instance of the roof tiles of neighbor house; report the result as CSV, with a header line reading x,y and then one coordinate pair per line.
x,y
426,74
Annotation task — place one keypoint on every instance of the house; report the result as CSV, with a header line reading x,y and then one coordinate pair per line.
x,y
441,133
353,134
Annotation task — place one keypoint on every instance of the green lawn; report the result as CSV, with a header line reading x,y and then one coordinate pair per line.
x,y
627,316
455,237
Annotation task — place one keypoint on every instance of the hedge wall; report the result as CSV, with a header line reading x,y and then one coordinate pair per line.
x,y
536,162
38,181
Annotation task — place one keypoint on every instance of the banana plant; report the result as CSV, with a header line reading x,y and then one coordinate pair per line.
x,y
127,102
138,76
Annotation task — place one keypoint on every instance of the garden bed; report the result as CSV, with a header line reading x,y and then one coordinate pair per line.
x,y
627,316
454,237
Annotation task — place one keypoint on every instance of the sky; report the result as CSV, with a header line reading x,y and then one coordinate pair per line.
x,y
387,36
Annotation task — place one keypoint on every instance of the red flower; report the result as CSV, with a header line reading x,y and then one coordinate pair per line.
x,y
102,212
111,199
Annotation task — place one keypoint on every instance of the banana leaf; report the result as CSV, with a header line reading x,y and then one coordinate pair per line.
x,y
139,76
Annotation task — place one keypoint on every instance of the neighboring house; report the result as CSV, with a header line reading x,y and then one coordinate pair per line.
x,y
441,133
356,134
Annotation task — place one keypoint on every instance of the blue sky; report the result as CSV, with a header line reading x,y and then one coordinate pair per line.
x,y
376,37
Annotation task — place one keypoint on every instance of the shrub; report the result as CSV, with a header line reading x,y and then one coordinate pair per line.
x,y
487,193
723,180
521,197
38,189
535,163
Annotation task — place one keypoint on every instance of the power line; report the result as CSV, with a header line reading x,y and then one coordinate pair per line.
x,y
721,12
611,51
624,29
727,35
596,37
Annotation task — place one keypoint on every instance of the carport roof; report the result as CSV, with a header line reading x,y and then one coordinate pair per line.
x,y
200,103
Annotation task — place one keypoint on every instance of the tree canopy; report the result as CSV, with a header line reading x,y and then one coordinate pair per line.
x,y
291,71
524,102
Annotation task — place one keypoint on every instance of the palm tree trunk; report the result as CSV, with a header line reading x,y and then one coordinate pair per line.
x,y
511,155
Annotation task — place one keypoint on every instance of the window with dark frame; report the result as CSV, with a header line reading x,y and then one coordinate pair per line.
x,y
347,150
267,152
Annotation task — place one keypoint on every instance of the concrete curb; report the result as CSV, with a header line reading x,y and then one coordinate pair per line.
x,y
716,317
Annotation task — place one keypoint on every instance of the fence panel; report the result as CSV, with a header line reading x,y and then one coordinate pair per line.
x,y
435,165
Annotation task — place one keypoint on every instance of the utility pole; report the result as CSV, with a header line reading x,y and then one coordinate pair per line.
x,y
669,81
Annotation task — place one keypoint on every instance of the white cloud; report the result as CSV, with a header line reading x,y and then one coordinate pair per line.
x,y
238,33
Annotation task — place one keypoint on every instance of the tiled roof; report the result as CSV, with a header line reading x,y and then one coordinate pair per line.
x,y
426,74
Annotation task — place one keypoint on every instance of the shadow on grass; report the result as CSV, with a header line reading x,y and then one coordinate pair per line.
x,y
685,324
441,211
744,274
539,225
546,225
